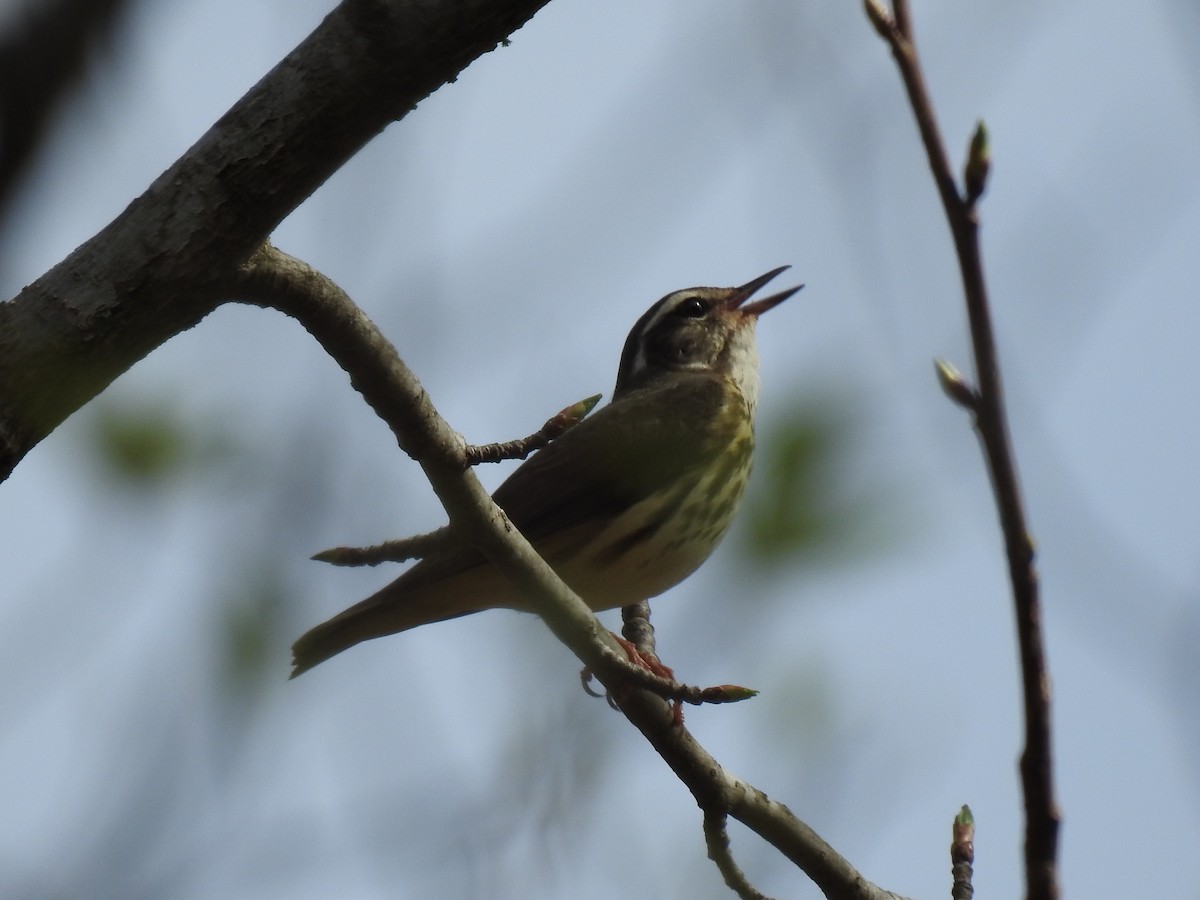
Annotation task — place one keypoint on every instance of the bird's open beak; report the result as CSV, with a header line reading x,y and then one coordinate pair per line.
x,y
758,307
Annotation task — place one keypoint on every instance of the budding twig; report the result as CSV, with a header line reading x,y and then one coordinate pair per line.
x,y
642,668
421,545
555,427
962,855
986,402
416,547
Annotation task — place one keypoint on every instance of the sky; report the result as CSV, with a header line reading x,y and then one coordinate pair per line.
x,y
505,236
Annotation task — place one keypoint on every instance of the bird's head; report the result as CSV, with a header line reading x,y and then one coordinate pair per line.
x,y
700,329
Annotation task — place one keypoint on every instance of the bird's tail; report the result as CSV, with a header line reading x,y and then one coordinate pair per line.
x,y
405,603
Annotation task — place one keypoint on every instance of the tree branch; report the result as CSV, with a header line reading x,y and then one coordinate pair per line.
x,y
1042,816
162,265
271,278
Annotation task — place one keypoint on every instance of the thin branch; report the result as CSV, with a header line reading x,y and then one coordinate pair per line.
x,y
716,837
421,545
271,278
1041,810
557,425
903,18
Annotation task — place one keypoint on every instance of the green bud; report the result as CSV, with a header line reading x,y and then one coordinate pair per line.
x,y
965,818
962,843
583,407
727,693
880,18
569,417
337,556
979,163
954,385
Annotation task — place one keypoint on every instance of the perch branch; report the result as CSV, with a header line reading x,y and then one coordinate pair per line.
x,y
273,279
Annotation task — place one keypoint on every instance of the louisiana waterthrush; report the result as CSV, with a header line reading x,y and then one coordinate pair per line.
x,y
627,503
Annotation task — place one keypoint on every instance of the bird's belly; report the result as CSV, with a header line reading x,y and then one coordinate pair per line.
x,y
658,542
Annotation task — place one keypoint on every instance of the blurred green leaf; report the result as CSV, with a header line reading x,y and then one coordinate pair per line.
x,y
252,629
146,445
800,502
150,444
784,515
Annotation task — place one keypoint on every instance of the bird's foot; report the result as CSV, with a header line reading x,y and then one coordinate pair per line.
x,y
660,679
663,683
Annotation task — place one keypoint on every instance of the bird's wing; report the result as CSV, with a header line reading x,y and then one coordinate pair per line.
x,y
624,453
565,492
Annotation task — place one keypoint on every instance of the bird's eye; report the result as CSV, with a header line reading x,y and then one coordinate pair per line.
x,y
692,308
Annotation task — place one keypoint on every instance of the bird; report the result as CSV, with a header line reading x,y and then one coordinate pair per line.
x,y
627,503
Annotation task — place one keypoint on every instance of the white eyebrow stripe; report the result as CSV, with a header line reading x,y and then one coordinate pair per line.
x,y
666,306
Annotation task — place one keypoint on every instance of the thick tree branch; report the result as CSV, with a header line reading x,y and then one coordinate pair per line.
x,y
271,278
162,265
1042,816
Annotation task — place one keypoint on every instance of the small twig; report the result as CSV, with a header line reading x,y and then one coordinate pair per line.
x,y
421,545
636,629
555,426
416,547
962,855
1042,816
717,838
903,18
